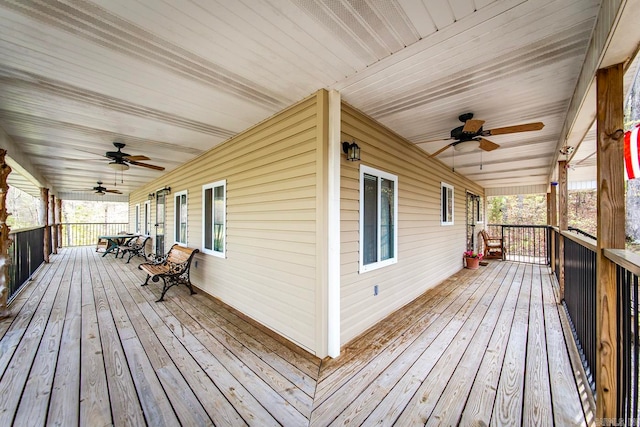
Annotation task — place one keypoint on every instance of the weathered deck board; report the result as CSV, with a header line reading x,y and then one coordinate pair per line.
x,y
126,408
89,346
94,403
510,389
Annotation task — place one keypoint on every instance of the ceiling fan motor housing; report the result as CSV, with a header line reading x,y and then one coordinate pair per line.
x,y
460,135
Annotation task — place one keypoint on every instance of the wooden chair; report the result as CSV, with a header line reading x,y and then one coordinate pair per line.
x,y
493,246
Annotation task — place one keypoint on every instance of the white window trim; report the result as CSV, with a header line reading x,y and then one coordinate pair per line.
x,y
222,183
177,195
147,218
136,218
442,201
380,174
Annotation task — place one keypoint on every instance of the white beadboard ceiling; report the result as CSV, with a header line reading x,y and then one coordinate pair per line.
x,y
172,79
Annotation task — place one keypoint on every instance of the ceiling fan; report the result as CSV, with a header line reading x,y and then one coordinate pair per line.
x,y
121,161
100,190
471,135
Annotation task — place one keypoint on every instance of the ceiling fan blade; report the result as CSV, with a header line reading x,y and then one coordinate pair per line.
x,y
440,150
487,145
147,165
472,126
113,191
136,158
514,129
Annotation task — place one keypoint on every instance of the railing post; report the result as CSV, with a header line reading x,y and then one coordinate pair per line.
x,y
5,241
563,222
611,232
59,222
553,222
44,196
54,227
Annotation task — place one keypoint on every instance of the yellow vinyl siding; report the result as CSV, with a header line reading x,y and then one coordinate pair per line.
x,y
269,272
427,252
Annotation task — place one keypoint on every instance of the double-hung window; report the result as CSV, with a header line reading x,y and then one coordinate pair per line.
x,y
180,217
480,209
378,219
446,201
214,207
136,224
147,218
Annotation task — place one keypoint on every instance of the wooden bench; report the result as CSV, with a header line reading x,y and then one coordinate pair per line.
x,y
133,247
172,268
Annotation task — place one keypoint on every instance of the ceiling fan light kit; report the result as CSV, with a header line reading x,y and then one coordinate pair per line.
x,y
118,166
466,146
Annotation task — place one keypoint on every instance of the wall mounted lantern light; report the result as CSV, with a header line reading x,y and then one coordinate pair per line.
x,y
351,150
163,191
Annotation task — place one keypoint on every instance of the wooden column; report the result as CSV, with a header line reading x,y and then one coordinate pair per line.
x,y
44,196
5,241
552,220
54,228
553,214
59,222
563,220
611,232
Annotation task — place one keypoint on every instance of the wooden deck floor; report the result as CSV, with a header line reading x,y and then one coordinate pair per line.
x,y
86,345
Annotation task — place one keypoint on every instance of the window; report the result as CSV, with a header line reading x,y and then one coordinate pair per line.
x,y
378,219
147,217
180,222
480,209
136,219
446,211
214,206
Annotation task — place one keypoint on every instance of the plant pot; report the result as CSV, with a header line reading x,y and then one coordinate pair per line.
x,y
472,263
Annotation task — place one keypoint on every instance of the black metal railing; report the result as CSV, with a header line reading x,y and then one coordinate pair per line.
x,y
627,272
85,234
580,298
523,243
26,253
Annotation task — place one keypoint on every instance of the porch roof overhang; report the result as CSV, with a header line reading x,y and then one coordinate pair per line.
x,y
172,83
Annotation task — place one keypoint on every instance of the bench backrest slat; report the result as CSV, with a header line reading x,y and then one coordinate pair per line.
x,y
179,255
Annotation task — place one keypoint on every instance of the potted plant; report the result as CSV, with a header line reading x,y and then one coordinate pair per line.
x,y
472,260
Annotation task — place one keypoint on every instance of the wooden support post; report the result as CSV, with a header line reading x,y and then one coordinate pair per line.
x,y
59,222
552,220
44,196
563,220
610,234
54,227
5,241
